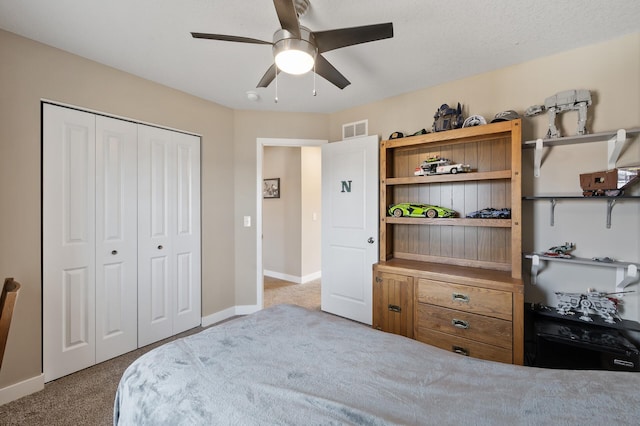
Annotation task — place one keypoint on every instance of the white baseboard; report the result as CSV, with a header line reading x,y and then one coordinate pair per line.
x,y
218,316
247,309
228,313
20,389
293,278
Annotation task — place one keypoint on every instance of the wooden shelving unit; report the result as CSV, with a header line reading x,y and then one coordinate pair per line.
x,y
475,257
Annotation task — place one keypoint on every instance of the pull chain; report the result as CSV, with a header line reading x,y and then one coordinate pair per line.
x,y
276,99
314,79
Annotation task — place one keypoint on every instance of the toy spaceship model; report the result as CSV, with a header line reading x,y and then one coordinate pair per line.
x,y
561,251
603,305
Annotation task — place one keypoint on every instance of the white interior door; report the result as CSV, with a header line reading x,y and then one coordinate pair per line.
x,y
349,226
168,233
68,240
116,237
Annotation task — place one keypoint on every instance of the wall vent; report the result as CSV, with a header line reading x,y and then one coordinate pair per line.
x,y
356,129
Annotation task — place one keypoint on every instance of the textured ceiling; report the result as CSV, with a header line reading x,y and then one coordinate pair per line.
x,y
434,42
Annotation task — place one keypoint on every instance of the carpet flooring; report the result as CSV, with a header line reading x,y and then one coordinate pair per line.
x,y
86,397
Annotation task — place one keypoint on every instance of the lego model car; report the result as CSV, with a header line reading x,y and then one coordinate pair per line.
x,y
420,210
491,213
437,166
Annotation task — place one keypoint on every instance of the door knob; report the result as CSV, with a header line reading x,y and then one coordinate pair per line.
x,y
114,252
370,240
160,247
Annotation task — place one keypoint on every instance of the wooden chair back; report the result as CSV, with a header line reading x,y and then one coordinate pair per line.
x,y
7,302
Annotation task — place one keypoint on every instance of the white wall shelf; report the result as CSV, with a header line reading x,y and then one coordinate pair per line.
x,y
626,272
615,141
553,199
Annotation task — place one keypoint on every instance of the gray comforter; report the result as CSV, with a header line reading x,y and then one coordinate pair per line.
x,y
289,365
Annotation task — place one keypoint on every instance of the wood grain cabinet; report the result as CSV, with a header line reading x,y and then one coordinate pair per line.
x,y
463,274
393,297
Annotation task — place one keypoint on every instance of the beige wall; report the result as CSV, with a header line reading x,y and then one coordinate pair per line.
x,y
281,226
31,71
249,126
611,71
311,210
291,235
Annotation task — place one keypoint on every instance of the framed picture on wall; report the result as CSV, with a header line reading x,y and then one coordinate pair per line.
x,y
271,188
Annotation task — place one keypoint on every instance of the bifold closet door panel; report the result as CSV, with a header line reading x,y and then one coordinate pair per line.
x,y
116,237
168,233
186,240
68,240
156,213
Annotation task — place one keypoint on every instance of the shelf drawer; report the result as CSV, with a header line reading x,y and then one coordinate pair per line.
x,y
482,301
480,328
465,346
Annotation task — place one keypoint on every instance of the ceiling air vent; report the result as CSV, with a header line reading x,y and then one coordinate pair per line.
x,y
355,130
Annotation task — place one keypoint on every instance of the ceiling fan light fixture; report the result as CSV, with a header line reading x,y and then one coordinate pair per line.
x,y
294,56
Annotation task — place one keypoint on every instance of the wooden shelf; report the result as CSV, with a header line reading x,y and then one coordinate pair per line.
x,y
458,177
494,153
461,267
490,223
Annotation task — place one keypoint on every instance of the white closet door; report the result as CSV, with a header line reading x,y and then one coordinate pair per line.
x,y
186,239
168,233
156,272
68,233
116,237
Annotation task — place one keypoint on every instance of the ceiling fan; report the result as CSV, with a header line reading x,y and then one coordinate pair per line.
x,y
297,49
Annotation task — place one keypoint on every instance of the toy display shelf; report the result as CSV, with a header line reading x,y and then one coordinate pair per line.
x,y
626,272
615,141
553,199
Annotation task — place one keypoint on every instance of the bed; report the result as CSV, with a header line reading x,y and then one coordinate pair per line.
x,y
289,365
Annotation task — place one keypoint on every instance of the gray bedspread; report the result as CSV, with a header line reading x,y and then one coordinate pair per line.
x,y
289,365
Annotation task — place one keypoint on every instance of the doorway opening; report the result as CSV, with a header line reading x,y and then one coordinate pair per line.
x,y
261,143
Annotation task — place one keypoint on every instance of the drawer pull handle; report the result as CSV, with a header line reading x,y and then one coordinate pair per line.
x,y
460,350
395,308
458,323
114,252
459,297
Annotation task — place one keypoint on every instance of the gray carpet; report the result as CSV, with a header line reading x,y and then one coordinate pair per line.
x,y
86,397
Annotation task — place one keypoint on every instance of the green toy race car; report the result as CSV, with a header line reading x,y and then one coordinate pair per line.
x,y
420,210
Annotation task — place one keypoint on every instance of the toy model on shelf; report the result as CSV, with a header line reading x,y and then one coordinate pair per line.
x,y
447,118
561,251
490,213
420,210
600,303
610,183
569,100
440,166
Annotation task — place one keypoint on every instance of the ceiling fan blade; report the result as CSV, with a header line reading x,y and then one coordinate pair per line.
x,y
288,17
335,39
268,76
328,71
222,37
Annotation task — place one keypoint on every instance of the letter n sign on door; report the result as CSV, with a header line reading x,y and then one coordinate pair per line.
x,y
346,186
